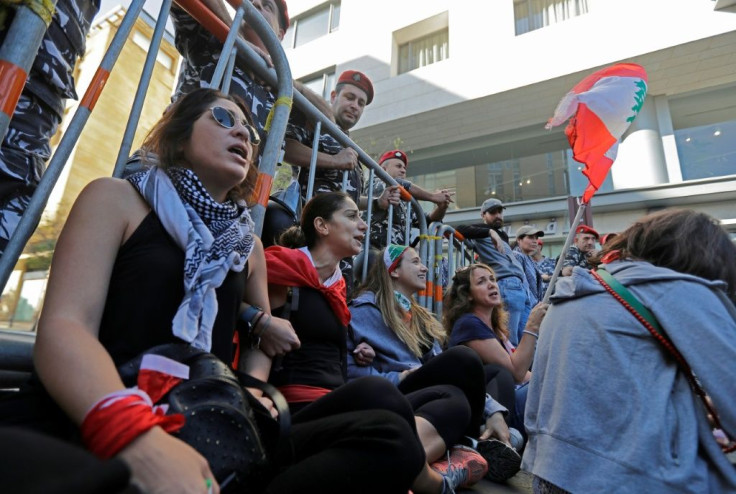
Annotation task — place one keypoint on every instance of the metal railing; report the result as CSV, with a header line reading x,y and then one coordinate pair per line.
x,y
16,347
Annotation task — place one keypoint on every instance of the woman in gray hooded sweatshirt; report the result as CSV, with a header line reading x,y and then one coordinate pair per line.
x,y
608,409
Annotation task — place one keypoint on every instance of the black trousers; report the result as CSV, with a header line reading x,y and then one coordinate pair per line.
x,y
360,437
460,368
31,462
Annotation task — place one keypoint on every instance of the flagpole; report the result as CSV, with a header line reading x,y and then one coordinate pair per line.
x,y
565,248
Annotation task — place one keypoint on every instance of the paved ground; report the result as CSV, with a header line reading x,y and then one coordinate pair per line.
x,y
521,483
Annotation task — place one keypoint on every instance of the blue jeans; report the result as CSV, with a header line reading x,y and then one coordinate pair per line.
x,y
517,421
516,301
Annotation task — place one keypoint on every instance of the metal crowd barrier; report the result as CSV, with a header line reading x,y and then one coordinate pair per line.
x,y
15,347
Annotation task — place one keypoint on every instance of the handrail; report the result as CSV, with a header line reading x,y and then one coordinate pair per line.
x,y
17,54
279,77
38,201
140,95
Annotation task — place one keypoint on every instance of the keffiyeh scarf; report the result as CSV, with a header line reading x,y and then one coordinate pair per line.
x,y
215,237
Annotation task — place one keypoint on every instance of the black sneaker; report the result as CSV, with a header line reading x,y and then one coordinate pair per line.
x,y
503,460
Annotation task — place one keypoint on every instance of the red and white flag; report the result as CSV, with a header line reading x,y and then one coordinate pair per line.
x,y
602,107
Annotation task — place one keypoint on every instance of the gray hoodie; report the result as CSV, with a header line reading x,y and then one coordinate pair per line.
x,y
607,411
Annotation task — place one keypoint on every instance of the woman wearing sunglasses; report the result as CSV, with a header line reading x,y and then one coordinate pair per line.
x,y
446,389
474,317
168,256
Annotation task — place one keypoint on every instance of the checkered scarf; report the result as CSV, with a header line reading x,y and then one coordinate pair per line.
x,y
216,238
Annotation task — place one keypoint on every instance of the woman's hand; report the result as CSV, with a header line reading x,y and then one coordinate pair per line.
x,y
405,373
536,316
279,339
496,428
162,464
364,354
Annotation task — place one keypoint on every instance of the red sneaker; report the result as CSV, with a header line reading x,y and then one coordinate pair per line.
x,y
463,467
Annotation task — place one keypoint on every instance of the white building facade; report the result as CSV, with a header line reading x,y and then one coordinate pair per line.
x,y
465,88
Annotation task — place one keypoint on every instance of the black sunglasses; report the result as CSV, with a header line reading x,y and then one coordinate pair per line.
x,y
227,119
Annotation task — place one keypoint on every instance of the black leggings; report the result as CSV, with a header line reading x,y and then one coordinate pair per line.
x,y
360,437
458,367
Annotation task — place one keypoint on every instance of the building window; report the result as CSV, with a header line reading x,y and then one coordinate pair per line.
x,y
536,14
322,84
314,24
528,178
426,50
705,133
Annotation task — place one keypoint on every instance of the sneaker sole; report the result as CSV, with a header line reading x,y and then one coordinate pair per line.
x,y
503,461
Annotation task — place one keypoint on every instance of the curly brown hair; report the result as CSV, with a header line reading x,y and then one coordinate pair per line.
x,y
167,138
457,302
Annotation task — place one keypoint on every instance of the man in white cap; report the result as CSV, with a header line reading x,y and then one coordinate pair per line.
x,y
492,245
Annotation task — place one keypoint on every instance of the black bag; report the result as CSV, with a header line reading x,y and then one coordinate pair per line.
x,y
222,419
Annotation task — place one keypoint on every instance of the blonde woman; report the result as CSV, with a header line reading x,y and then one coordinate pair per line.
x,y
446,389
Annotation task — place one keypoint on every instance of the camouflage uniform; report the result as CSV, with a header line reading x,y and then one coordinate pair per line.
x,y
379,220
201,51
546,266
25,148
575,257
325,180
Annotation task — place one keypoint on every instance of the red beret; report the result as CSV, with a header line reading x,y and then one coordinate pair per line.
x,y
283,14
359,80
587,229
396,153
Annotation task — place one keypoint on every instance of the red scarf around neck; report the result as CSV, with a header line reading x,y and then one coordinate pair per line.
x,y
291,267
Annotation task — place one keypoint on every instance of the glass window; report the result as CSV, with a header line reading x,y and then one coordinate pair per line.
x,y
313,25
321,84
536,14
707,150
705,132
426,50
549,174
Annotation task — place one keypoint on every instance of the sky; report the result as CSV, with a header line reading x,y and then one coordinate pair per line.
x,y
151,6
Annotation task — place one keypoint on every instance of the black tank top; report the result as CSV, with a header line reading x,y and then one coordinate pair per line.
x,y
146,289
321,359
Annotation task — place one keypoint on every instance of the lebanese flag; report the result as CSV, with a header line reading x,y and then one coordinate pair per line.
x,y
602,107
158,374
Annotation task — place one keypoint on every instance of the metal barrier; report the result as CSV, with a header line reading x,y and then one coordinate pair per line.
x,y
15,348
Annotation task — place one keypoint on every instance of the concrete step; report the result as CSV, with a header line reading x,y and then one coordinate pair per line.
x,y
521,483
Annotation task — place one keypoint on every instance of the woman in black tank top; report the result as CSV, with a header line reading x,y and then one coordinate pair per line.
x,y
169,255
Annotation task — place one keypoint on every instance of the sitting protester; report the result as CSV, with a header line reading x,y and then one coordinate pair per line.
x,y
167,256
407,340
306,286
474,317
610,409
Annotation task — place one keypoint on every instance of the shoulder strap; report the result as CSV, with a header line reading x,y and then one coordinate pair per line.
x,y
631,299
624,296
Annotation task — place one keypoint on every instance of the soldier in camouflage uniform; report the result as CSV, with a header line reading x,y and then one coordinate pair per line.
x,y
201,50
395,163
352,93
584,247
25,148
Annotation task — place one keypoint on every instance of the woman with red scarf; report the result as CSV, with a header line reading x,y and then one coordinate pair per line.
x,y
306,286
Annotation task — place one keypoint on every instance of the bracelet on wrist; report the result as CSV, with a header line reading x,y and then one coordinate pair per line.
x,y
526,331
254,323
